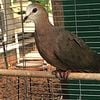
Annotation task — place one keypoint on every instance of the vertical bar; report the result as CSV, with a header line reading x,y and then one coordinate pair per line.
x,y
30,89
23,42
18,89
50,89
5,43
3,37
80,88
75,17
5,54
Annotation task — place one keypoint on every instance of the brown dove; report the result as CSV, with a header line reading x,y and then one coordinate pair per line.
x,y
58,47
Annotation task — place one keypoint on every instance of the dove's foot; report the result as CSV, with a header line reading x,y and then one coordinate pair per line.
x,y
61,74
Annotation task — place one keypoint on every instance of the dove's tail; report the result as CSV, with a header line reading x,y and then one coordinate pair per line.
x,y
96,63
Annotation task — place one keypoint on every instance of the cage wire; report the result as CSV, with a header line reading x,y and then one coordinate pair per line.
x,y
18,50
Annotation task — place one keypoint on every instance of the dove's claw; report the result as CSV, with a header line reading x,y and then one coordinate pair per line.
x,y
61,74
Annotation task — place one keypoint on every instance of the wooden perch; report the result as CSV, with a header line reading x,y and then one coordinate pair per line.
x,y
43,74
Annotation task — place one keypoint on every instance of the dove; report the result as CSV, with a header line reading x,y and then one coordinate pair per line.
x,y
60,48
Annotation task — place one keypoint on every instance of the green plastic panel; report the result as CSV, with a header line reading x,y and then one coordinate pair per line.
x,y
83,18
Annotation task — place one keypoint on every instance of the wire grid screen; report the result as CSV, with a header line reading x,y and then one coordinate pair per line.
x,y
80,17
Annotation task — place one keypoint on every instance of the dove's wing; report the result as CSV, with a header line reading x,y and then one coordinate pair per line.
x,y
73,51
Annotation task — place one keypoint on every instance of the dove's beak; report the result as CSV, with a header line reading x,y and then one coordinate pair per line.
x,y
25,18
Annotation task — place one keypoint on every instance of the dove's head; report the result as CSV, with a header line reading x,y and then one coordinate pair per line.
x,y
36,13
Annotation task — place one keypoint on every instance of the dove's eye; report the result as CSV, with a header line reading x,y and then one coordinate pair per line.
x,y
34,10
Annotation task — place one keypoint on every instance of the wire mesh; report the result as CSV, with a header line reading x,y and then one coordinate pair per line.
x,y
17,49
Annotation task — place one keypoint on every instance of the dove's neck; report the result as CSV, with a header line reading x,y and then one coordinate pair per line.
x,y
43,27
44,34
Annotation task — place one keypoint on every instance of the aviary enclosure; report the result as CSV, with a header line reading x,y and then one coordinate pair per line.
x,y
24,75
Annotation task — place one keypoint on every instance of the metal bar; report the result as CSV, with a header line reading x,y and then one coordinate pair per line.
x,y
5,54
30,89
43,74
18,89
23,49
3,41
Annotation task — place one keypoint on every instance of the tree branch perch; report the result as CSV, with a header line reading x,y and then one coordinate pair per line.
x,y
43,74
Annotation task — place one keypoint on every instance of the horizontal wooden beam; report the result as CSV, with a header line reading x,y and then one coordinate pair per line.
x,y
44,74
